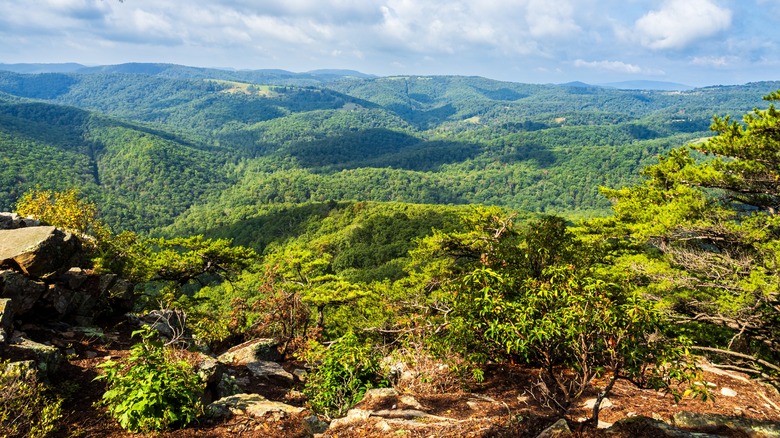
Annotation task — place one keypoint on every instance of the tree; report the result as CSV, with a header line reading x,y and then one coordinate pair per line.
x,y
538,294
702,234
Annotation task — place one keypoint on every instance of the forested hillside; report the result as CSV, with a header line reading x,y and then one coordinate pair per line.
x,y
157,144
343,220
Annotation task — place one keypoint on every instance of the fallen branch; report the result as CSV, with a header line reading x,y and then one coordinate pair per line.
x,y
740,355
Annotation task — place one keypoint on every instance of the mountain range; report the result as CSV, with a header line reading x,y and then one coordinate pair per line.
x,y
171,149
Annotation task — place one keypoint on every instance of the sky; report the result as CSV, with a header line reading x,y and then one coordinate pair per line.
x,y
692,42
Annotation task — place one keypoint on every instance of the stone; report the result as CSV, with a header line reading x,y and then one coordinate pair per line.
x,y
266,369
559,429
645,427
589,403
169,323
6,319
12,221
254,350
383,426
406,414
121,294
39,252
252,405
314,425
23,292
716,423
74,278
353,416
728,392
47,358
410,401
210,372
380,393
300,374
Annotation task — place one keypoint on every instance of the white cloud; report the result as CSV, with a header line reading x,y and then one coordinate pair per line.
x,y
551,19
710,61
681,22
617,66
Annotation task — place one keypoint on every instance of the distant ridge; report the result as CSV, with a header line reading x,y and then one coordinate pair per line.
x,y
648,85
68,67
578,84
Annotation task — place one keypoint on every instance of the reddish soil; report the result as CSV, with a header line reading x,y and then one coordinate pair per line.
x,y
499,407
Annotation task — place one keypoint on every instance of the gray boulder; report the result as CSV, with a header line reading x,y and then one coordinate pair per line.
x,y
252,405
268,370
46,357
645,427
718,424
23,292
39,252
251,351
12,221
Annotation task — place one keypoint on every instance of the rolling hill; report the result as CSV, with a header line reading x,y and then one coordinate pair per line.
x,y
184,149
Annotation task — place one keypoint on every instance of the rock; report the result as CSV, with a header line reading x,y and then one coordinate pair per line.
x,y
47,358
559,429
61,299
262,368
603,425
728,392
12,221
645,427
410,401
380,393
210,372
313,424
720,424
251,351
74,278
405,414
300,374
253,405
169,323
6,319
383,426
40,252
353,416
23,292
121,295
605,403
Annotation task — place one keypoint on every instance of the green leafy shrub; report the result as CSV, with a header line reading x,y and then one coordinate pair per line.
x,y
26,407
342,374
151,390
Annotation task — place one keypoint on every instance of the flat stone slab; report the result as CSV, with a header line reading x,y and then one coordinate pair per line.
x,y
251,351
40,252
253,405
262,368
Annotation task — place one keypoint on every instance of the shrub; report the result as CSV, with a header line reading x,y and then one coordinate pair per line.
x,y
342,374
151,390
26,407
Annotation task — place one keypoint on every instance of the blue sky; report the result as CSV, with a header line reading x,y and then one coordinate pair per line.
x,y
694,42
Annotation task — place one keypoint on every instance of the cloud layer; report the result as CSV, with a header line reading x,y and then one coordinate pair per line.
x,y
521,40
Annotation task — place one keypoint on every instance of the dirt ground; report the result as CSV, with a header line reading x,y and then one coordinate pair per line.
x,y
499,407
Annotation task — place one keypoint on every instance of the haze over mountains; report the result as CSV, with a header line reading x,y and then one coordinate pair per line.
x,y
165,145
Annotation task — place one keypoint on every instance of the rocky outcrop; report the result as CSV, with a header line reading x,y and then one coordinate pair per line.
x,y
41,253
726,425
253,405
23,292
12,221
252,351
